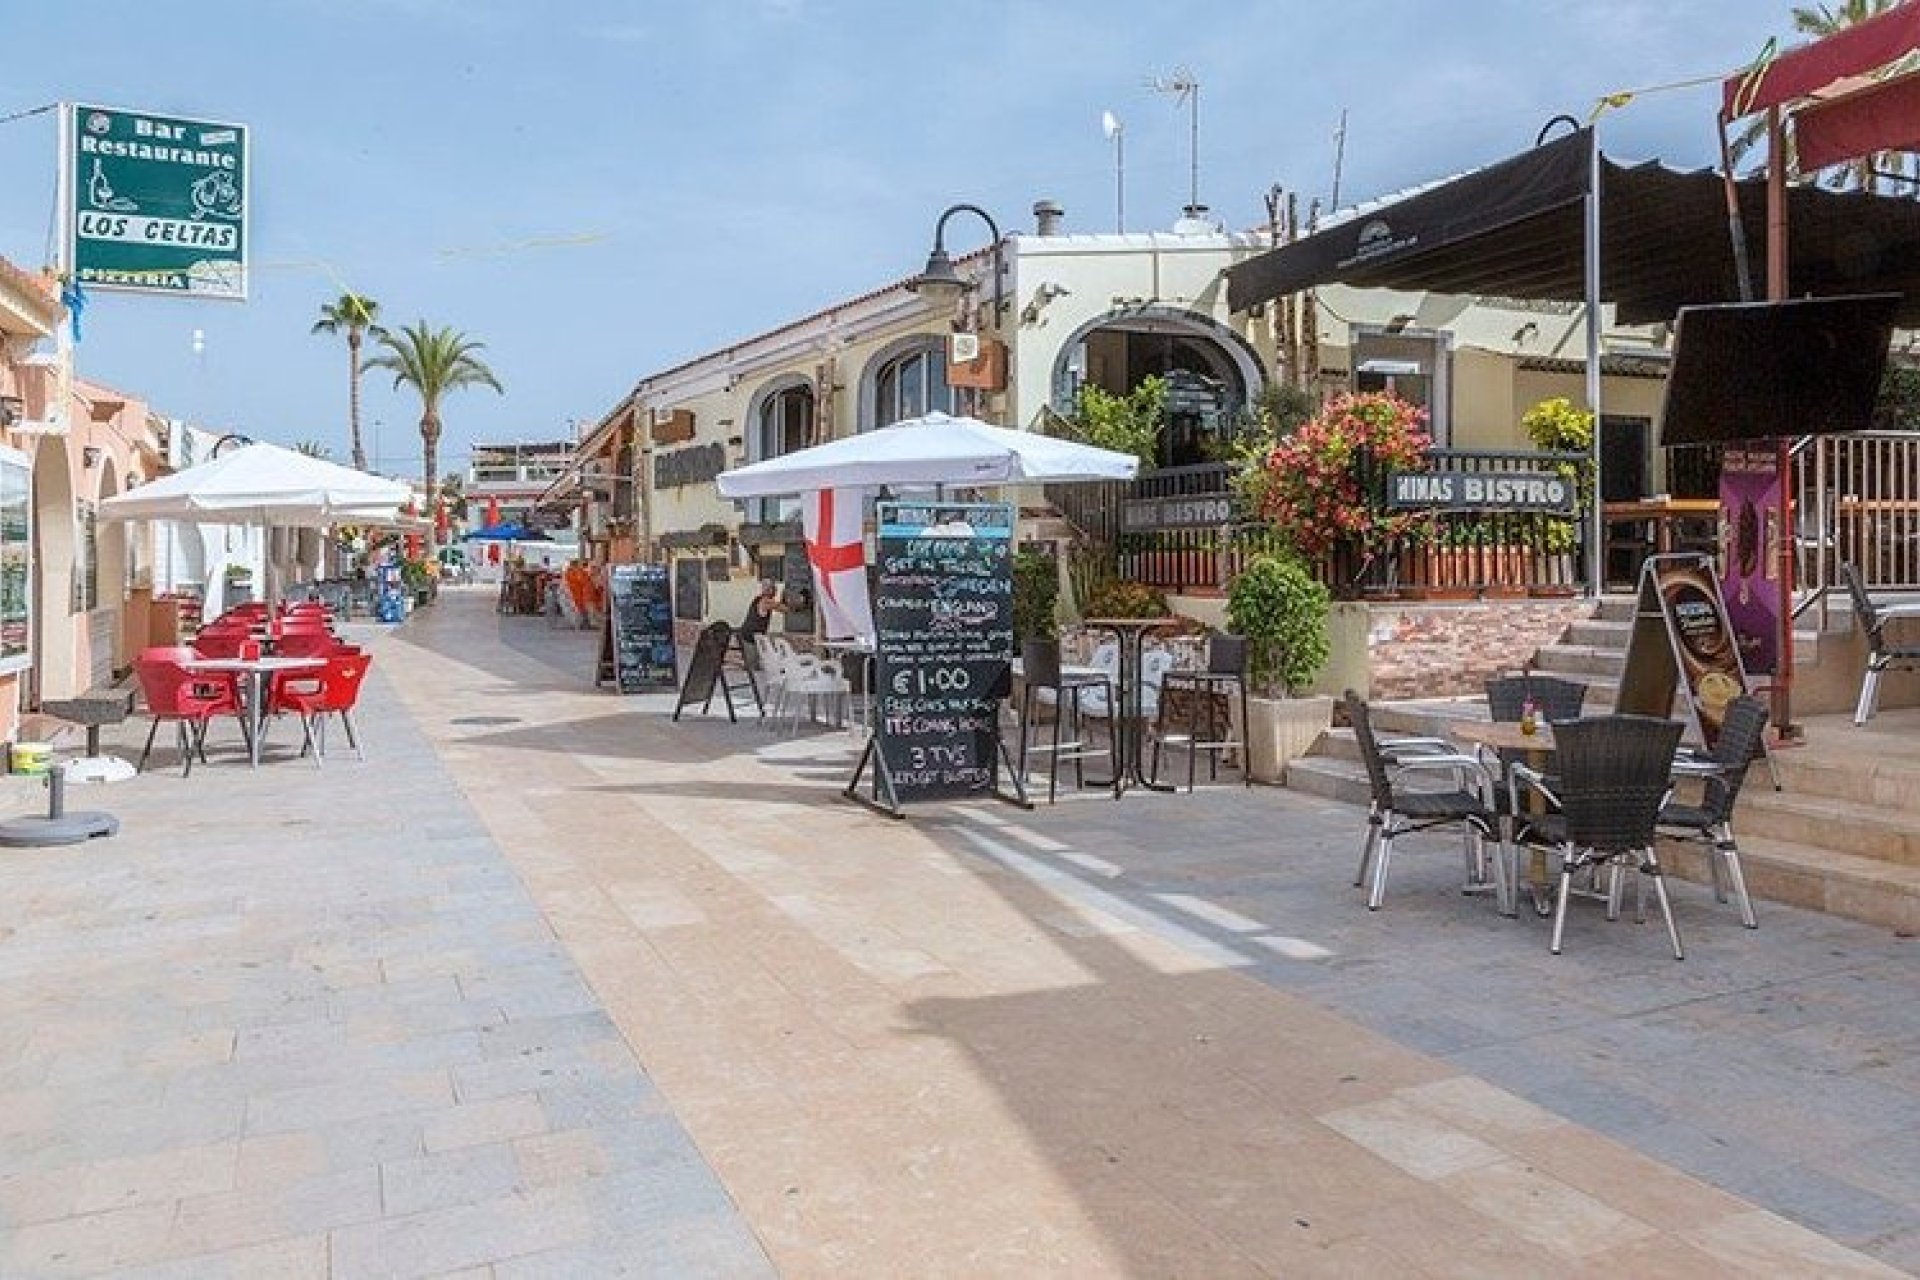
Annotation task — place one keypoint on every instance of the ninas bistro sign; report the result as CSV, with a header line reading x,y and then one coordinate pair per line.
x,y
155,204
1481,490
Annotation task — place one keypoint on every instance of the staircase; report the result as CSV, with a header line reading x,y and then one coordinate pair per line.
x,y
1841,836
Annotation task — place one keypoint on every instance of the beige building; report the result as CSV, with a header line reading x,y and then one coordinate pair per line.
x,y
1073,309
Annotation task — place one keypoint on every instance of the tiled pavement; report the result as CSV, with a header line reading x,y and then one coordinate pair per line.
x,y
309,1022
383,1019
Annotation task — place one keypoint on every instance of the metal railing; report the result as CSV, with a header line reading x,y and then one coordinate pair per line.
x,y
1857,501
1446,554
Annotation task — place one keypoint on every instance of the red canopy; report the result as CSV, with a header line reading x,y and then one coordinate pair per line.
x,y
1854,51
1883,116
493,512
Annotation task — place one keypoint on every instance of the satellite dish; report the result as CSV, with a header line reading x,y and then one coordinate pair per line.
x,y
1109,124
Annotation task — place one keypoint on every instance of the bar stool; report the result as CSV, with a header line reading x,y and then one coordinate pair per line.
x,y
1225,676
1041,673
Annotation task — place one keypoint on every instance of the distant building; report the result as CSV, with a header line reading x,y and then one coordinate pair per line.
x,y
513,476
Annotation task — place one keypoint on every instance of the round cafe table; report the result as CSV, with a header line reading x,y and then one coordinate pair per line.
x,y
1538,747
1130,632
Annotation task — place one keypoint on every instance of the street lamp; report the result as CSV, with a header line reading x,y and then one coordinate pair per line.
x,y
939,282
224,441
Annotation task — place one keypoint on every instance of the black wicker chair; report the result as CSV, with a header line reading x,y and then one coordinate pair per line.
x,y
1397,812
1614,774
1711,821
1554,699
1881,656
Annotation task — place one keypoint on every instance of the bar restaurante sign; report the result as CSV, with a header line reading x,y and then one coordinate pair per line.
x,y
1481,490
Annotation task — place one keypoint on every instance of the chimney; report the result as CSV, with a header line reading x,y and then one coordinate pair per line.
x,y
1046,217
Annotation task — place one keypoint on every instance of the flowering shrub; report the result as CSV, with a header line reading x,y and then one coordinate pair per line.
x,y
1325,484
1118,599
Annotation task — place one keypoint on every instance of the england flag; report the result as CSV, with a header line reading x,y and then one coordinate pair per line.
x,y
830,518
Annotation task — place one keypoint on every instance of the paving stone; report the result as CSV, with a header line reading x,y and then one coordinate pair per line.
x,y
446,1179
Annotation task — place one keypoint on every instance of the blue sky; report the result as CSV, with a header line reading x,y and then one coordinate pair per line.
x,y
598,190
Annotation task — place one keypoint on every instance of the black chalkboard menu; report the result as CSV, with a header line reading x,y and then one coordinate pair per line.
x,y
640,626
944,652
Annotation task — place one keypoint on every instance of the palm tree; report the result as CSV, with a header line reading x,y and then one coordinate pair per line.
x,y
1867,173
433,362
312,449
354,315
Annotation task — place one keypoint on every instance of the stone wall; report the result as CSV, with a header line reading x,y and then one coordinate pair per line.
x,y
1436,650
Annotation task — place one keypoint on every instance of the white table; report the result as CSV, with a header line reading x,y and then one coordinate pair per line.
x,y
256,670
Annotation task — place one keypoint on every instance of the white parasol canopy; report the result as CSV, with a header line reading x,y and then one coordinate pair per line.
x,y
931,450
263,484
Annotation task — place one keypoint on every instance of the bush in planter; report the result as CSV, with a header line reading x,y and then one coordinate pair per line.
x,y
1125,600
1036,596
1281,609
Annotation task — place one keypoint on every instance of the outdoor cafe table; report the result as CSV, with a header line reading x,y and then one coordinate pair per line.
x,y
1506,735
256,670
1131,632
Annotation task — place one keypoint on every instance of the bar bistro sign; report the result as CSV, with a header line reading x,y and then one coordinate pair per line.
x,y
1481,490
155,204
1192,511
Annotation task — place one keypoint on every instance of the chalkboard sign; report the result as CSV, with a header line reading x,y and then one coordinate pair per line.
x,y
690,588
944,616
796,590
639,627
706,671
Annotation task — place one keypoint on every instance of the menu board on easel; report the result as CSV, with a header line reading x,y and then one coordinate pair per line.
x,y
1682,641
943,615
637,640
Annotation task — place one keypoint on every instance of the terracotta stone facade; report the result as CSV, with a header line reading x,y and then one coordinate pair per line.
x,y
1431,651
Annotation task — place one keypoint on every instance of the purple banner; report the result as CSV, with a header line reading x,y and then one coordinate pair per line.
x,y
1750,536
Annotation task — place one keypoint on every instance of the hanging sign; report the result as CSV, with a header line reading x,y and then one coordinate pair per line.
x,y
155,204
944,621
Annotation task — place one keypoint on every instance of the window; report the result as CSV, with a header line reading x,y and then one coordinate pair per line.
x,y
86,568
912,384
16,579
784,425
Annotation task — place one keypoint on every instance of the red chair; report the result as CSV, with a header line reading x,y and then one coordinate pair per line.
x,y
187,698
220,644
307,644
314,695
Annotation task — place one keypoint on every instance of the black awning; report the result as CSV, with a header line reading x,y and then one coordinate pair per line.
x,y
1516,229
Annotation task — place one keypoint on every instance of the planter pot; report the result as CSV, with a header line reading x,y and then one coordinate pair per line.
x,y
1281,730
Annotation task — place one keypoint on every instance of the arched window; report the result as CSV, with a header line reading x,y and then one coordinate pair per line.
x,y
782,424
909,384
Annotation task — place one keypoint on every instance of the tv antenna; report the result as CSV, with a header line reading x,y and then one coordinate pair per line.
x,y
1185,89
1339,156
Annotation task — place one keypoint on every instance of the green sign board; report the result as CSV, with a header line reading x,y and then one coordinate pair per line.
x,y
155,204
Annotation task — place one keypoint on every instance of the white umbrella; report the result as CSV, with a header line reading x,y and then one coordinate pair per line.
x,y
266,485
935,449
263,484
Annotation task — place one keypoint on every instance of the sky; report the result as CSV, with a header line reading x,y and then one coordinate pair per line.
x,y
601,190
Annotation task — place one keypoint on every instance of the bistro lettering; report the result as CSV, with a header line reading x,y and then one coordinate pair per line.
x,y
1487,491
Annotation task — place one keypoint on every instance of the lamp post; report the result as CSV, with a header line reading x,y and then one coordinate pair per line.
x,y
939,281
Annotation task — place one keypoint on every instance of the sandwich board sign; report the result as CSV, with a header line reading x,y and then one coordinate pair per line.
x,y
1682,642
153,203
943,656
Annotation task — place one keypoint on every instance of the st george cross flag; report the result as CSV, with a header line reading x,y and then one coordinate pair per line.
x,y
830,519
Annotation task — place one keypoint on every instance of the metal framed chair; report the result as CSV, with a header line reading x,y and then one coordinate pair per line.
x,y
1881,656
1724,772
1206,694
1614,774
1395,812
1043,681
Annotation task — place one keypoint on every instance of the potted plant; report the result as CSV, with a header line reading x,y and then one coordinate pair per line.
x,y
1555,425
1281,608
1036,596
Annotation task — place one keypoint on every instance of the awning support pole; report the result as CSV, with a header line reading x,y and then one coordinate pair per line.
x,y
1599,533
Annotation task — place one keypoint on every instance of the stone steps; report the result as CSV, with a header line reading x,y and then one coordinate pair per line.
x,y
1843,836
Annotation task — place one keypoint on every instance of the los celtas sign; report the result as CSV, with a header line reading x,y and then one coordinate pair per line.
x,y
156,204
